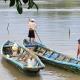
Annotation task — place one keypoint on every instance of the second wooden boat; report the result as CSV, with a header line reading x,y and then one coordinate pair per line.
x,y
53,57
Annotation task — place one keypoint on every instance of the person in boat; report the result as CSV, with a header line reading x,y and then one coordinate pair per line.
x,y
28,59
25,57
78,50
14,49
31,62
32,28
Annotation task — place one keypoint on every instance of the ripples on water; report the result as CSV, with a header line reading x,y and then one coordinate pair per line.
x,y
10,72
53,29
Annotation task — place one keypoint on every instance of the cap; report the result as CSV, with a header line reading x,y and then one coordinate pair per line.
x,y
32,20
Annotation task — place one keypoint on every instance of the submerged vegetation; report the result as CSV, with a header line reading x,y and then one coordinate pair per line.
x,y
19,3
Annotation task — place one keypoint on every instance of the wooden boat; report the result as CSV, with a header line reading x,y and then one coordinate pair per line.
x,y
54,58
24,59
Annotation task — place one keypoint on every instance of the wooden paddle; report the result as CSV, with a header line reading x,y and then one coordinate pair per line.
x,y
38,36
31,52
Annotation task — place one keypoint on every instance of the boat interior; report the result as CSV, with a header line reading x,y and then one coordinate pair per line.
x,y
22,55
53,55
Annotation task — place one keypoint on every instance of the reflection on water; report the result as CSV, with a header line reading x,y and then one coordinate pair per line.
x,y
15,72
53,29
50,72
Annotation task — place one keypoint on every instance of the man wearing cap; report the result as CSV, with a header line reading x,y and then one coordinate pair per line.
x,y
32,27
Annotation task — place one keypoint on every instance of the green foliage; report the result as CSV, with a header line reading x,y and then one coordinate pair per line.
x,y
25,1
31,3
12,3
5,0
18,4
36,5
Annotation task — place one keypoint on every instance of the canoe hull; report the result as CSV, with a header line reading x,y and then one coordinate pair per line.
x,y
19,64
67,67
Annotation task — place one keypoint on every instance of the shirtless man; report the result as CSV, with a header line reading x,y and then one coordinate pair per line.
x,y
32,27
78,50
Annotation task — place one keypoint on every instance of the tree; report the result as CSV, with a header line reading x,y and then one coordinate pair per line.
x,y
18,4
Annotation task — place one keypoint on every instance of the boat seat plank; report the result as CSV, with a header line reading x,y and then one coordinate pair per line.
x,y
48,53
67,59
78,62
39,50
54,56
73,61
60,57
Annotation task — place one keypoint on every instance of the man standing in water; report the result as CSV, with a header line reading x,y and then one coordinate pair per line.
x,y
32,27
78,50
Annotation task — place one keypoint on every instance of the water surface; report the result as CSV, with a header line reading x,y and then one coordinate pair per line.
x,y
53,25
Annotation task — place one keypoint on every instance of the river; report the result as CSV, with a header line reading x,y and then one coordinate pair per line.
x,y
53,25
